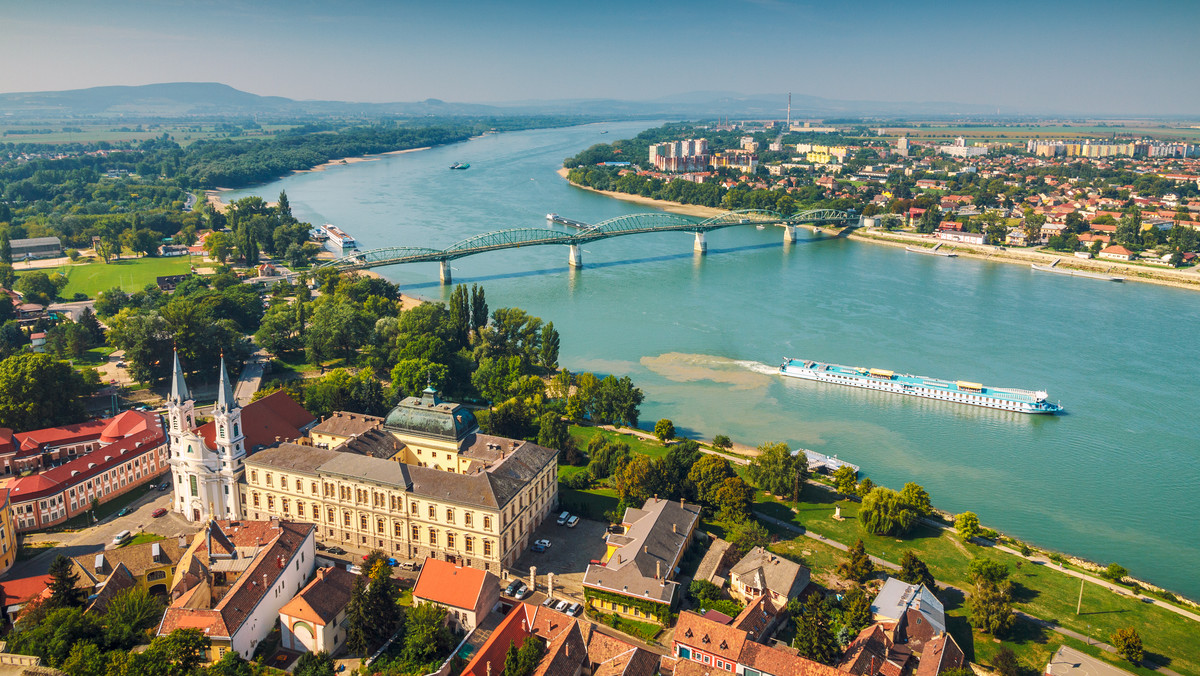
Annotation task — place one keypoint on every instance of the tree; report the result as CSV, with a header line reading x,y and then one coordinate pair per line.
x,y
128,616
479,308
914,571
865,487
845,479
548,347
5,248
38,287
358,621
917,499
778,471
967,525
733,500
984,570
991,609
858,567
856,610
219,245
814,637
1115,572
1033,227
7,276
85,659
314,664
1005,662
382,602
179,653
635,480
722,441
747,535
426,634
884,512
1128,643
460,314
707,475
233,664
37,391
664,429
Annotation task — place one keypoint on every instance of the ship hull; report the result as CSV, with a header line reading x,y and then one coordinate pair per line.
x,y
1016,401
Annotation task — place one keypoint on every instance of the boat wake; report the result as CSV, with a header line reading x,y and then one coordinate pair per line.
x,y
681,367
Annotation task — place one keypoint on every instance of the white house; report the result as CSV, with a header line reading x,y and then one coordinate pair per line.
x,y
315,619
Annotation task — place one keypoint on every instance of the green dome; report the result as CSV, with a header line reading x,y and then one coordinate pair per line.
x,y
429,416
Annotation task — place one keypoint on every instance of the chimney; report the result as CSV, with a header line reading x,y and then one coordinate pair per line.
x,y
658,570
264,580
675,528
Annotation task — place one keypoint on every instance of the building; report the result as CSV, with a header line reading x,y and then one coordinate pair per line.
x,y
36,247
149,565
877,652
341,427
961,236
702,646
467,594
1116,252
918,615
315,619
98,462
762,573
8,534
680,156
234,579
635,576
744,161
1068,661
960,149
17,592
208,461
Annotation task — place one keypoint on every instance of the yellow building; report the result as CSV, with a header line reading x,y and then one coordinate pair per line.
x,y
149,565
438,489
8,534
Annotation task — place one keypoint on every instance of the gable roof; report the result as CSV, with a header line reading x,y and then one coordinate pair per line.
x,y
20,590
275,415
323,598
645,553
449,584
897,597
764,570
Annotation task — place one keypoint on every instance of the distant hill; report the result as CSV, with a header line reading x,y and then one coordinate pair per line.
x,y
212,99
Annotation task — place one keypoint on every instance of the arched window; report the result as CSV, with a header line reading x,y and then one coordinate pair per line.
x,y
192,480
235,430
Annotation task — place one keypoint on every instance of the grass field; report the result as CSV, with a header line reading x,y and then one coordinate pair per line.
x,y
142,538
184,134
583,435
131,274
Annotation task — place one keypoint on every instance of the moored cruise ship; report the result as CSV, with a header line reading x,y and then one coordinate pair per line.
x,y
962,392
339,237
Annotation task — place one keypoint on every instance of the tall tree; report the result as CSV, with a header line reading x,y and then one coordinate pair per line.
x,y
358,619
284,208
382,603
884,512
776,470
707,475
858,566
914,571
37,390
5,248
460,314
814,637
479,308
63,579
548,347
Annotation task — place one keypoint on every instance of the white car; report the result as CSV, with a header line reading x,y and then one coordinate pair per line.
x,y
572,522
542,543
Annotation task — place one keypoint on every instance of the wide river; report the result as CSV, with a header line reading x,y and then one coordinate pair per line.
x,y
1116,478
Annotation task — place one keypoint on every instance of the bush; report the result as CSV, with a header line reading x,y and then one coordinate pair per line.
x,y
722,441
1115,572
1128,644
73,254
967,525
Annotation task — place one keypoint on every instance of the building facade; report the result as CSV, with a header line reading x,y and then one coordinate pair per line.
x,y
8,534
315,619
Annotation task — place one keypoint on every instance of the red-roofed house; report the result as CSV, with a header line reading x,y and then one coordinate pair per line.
x,y
467,594
16,593
235,578
566,643
313,620
1117,252
703,646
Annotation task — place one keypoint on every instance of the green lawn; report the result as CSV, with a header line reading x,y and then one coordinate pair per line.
x,y
1042,591
131,274
636,444
144,537
592,504
29,551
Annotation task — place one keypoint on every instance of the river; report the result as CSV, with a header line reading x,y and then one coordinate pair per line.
x,y
1113,479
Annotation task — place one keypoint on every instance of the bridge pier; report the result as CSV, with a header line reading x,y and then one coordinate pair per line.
x,y
789,234
447,278
701,246
574,259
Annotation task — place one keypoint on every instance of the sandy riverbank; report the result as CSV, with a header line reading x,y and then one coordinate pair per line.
x,y
673,207
1186,278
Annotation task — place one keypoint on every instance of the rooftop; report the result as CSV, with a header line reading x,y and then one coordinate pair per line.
x,y
449,584
429,416
647,551
276,417
346,424
323,598
897,597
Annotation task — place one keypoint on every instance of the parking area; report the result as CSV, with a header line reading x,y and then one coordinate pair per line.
x,y
570,551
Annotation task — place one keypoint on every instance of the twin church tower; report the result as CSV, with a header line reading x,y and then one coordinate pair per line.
x,y
208,461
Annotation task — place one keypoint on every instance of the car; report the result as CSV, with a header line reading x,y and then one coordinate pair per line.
x,y
336,551
125,511
562,518
543,542
392,562
549,602
511,589
321,547
164,486
537,548
410,565
575,609
521,592
572,522
158,512
561,606
121,537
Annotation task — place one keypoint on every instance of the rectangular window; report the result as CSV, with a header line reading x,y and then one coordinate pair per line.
x,y
269,479
300,509
449,540
399,530
487,547
195,487
416,533
413,508
470,544
449,515
433,536
432,512
255,495
468,519
346,519
362,522
487,523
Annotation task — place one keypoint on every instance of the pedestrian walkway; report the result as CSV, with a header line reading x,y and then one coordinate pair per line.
x,y
821,538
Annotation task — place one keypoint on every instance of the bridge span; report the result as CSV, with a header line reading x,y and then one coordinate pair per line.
x,y
631,224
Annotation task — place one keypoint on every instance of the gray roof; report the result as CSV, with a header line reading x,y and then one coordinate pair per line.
x,y
429,416
763,570
294,457
366,468
35,241
1071,662
898,597
647,551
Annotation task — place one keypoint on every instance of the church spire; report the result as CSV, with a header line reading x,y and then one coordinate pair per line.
x,y
179,390
225,400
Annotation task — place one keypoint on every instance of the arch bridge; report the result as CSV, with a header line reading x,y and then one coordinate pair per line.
x,y
630,224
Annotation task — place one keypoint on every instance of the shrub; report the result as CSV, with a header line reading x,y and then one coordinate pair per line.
x,y
1128,644
722,441
1115,572
967,525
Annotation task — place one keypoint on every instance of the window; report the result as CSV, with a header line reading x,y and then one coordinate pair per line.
x,y
269,479
487,547
195,487
449,540
379,526
314,488
299,486
270,502
470,544
432,512
433,536
487,523
398,530
346,519
414,509
362,522
299,509
449,515
255,496
329,513
285,506
416,533
467,519
254,476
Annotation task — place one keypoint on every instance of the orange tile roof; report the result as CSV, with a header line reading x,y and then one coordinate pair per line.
x,y
275,415
20,590
448,584
323,598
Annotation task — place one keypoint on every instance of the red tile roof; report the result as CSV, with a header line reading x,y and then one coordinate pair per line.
x,y
20,590
448,584
85,467
275,415
37,440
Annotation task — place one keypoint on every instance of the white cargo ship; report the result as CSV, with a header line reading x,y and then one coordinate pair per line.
x,y
339,237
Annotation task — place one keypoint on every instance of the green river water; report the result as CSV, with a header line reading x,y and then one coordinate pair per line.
x,y
1113,479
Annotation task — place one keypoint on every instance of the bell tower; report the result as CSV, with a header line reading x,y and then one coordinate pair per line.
x,y
230,446
181,414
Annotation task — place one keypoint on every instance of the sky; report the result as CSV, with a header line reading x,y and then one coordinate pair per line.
x,y
1070,56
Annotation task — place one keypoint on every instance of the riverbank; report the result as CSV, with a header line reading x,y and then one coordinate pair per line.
x,y
673,207
1186,278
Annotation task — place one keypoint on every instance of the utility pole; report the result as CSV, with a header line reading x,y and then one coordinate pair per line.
x,y
1079,605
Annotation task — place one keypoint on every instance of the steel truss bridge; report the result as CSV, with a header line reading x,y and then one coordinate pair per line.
x,y
631,224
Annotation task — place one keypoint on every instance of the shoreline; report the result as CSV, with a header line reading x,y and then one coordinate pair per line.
x,y
1188,278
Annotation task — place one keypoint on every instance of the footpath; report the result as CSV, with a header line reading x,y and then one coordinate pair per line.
x,y
1046,624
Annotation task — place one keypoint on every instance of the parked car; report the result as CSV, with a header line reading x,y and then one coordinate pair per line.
x,y
164,486
572,522
336,551
511,589
537,548
410,565
561,606
575,609
158,512
121,537
543,542
549,602
521,592
562,518
125,511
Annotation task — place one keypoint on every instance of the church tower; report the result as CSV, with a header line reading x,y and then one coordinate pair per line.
x,y
230,442
207,461
181,414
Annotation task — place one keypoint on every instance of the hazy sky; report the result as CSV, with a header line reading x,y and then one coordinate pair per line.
x,y
1137,56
